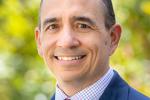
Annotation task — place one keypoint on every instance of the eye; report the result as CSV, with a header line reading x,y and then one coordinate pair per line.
x,y
81,27
52,27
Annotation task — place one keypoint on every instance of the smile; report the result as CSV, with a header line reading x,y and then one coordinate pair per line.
x,y
69,58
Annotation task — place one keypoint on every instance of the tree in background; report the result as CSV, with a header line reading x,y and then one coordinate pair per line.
x,y
23,75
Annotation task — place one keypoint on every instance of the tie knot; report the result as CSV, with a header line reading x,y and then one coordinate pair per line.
x,y
67,99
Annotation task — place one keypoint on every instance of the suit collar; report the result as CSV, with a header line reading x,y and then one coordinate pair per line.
x,y
53,97
117,89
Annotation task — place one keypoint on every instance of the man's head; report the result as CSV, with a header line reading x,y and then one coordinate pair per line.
x,y
76,38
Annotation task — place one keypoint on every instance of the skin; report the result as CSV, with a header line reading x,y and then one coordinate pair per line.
x,y
76,28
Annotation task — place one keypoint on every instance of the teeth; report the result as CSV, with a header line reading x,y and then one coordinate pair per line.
x,y
69,58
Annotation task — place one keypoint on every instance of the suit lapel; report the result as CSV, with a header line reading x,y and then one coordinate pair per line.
x,y
116,90
53,97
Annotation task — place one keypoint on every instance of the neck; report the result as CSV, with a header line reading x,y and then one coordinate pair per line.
x,y
71,88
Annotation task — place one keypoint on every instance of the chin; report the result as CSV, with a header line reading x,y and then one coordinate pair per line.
x,y
69,77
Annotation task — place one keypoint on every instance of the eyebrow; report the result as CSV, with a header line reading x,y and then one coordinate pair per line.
x,y
85,19
49,20
75,18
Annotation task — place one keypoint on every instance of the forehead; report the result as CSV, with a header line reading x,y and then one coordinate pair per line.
x,y
71,7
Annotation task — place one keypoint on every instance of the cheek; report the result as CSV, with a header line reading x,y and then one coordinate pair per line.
x,y
94,57
47,43
47,48
92,46
98,57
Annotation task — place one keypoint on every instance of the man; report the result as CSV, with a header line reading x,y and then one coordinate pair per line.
x,y
76,39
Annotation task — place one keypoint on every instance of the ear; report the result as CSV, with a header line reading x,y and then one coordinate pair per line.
x,y
38,40
115,34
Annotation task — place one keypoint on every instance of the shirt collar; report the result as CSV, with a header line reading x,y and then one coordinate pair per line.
x,y
93,92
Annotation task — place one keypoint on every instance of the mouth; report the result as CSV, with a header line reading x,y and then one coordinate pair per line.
x,y
69,58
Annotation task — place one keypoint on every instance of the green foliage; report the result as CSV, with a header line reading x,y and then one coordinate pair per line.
x,y
132,57
22,72
23,75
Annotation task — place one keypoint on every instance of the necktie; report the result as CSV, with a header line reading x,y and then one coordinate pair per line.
x,y
67,99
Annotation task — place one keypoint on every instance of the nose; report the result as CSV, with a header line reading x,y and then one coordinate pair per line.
x,y
68,39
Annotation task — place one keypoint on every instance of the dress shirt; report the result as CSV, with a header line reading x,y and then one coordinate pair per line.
x,y
93,92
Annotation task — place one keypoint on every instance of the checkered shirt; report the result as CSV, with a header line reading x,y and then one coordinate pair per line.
x,y
93,92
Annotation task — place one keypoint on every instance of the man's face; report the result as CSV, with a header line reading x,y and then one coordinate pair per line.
x,y
73,40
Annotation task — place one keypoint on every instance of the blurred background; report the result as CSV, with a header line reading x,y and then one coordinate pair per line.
x,y
23,74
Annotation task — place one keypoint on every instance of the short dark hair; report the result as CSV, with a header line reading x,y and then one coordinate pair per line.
x,y
110,19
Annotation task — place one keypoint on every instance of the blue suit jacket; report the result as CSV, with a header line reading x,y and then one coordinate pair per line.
x,y
118,89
